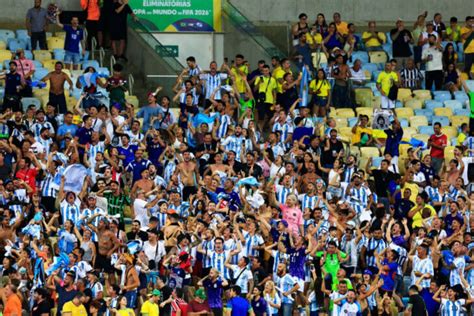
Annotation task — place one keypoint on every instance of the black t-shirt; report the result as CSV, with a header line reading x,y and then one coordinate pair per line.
x,y
64,297
40,308
5,172
141,235
329,156
418,305
165,294
256,173
237,167
120,19
209,147
259,275
382,179
12,81
401,45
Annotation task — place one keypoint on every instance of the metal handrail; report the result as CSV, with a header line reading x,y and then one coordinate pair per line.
x,y
101,57
242,23
93,47
112,62
131,82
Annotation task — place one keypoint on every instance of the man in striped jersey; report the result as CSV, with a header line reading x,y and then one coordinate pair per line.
x,y
91,210
40,123
359,196
422,266
210,81
309,199
70,204
234,142
285,129
286,188
286,285
375,244
206,246
44,139
193,69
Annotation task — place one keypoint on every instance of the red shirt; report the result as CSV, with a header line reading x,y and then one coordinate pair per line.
x,y
29,176
439,140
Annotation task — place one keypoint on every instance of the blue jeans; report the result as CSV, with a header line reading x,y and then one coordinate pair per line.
x,y
287,309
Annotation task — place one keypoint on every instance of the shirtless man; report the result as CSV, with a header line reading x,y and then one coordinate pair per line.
x,y
341,95
145,184
189,175
218,167
129,282
108,244
57,78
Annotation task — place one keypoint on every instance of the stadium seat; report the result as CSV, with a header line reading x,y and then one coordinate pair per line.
x,y
318,59
369,152
408,132
42,55
61,35
15,43
3,45
450,131
345,133
21,33
40,73
370,67
404,123
432,104
423,137
104,71
28,54
134,101
462,112
404,112
416,121
368,75
443,120
442,112
448,153
49,64
470,84
345,112
5,55
341,122
425,129
422,94
58,54
363,56
461,96
7,34
375,75
91,63
453,104
351,122
363,96
458,120
28,101
365,111
443,97
404,94
55,42
414,104
424,112
379,57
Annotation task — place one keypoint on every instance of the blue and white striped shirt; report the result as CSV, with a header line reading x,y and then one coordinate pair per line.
x,y
218,262
423,266
402,257
469,143
233,143
208,247
46,143
230,245
211,82
285,284
224,122
359,198
376,245
48,189
454,277
37,126
94,150
450,308
278,257
282,193
70,211
88,213
250,242
347,174
285,130
308,201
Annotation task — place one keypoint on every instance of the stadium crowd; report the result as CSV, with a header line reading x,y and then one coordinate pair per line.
x,y
248,200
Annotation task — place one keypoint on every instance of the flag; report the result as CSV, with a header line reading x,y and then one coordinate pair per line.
x,y
75,176
304,87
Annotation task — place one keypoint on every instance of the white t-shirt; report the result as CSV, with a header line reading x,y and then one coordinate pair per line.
x,y
436,63
154,252
141,213
244,277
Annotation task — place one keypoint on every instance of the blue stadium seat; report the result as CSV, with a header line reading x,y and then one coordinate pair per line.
x,y
371,67
462,112
432,104
453,104
389,38
470,84
428,113
375,75
38,64
444,120
104,71
443,97
428,130
40,73
404,122
7,34
377,161
89,63
352,121
28,54
363,56
28,101
59,53
454,141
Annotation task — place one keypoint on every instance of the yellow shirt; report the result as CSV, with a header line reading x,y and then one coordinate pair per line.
x,y
323,86
418,219
414,190
461,138
373,42
313,39
456,32
239,82
470,48
125,312
74,310
342,28
385,80
358,134
150,309
279,73
269,84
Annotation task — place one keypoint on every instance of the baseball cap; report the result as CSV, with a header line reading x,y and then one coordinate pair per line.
x,y
367,271
200,293
155,292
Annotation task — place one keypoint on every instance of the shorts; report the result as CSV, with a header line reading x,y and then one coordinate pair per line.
x,y
320,101
300,283
103,263
72,58
59,101
264,109
387,103
131,298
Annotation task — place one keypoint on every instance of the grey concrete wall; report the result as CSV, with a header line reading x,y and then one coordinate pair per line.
x,y
351,10
14,11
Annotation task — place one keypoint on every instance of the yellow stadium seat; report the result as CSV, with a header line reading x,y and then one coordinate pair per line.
x,y
418,120
41,55
443,112
422,94
133,100
365,111
345,133
3,45
368,75
5,55
61,35
376,102
464,76
450,131
408,132
318,59
423,137
378,57
345,112
448,153
413,104
403,149
49,64
369,152
55,43
354,150
404,112
341,122
404,94
458,120
363,96
71,103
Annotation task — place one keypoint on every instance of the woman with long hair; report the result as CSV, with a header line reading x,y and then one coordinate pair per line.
x,y
320,88
452,81
320,24
272,298
449,56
